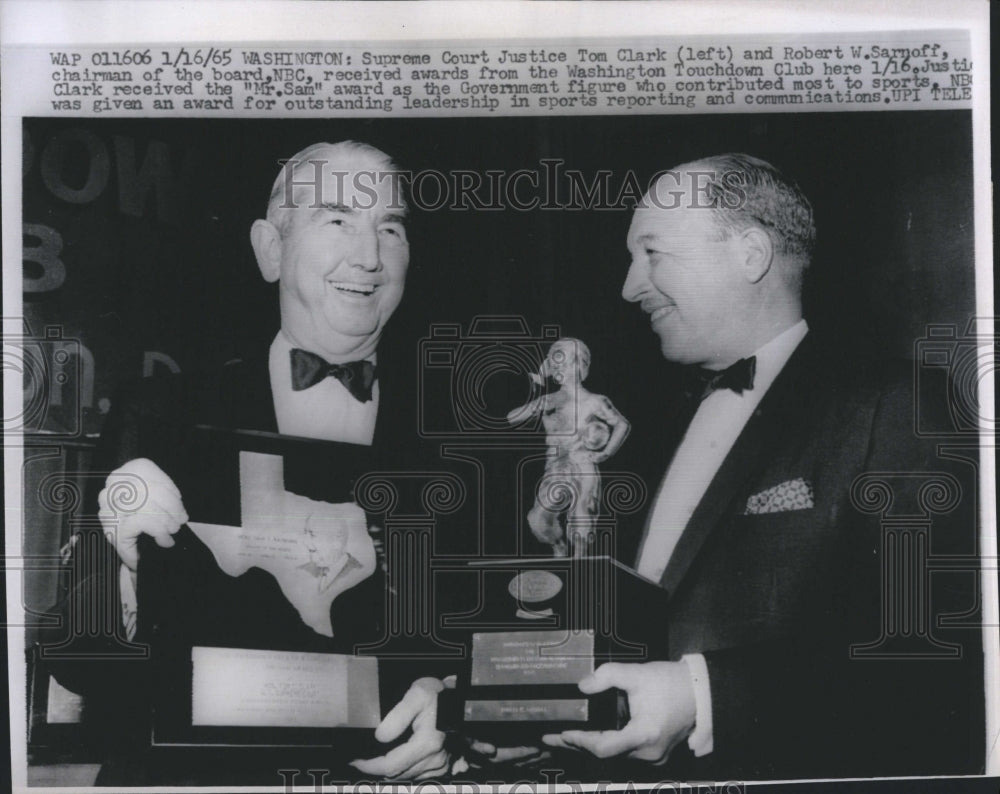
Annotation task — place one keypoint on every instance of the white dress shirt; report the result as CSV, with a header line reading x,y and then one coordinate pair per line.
x,y
711,435
326,410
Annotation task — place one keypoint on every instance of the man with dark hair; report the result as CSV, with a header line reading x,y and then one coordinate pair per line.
x,y
774,568
797,646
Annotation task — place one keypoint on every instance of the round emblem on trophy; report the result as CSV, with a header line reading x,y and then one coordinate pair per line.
x,y
534,592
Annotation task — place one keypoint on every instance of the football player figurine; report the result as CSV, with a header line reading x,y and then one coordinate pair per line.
x,y
582,430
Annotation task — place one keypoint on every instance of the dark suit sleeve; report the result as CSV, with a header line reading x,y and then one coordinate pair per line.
x,y
88,652
807,705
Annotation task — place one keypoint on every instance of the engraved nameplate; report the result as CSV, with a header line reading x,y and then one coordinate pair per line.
x,y
531,657
526,710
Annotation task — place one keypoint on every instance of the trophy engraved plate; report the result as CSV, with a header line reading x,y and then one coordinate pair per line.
x,y
531,657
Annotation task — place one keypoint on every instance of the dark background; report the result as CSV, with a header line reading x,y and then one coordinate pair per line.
x,y
154,219
168,267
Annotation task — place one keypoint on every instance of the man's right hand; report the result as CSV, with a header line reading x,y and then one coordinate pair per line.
x,y
421,756
139,498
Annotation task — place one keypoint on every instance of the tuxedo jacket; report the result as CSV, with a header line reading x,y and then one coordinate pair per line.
x,y
154,418
806,576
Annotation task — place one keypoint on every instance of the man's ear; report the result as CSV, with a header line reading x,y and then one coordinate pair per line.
x,y
266,241
758,253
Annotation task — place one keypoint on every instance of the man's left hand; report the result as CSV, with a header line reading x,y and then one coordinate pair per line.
x,y
662,706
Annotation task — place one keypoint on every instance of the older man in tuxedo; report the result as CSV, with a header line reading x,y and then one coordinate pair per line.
x,y
774,568
334,239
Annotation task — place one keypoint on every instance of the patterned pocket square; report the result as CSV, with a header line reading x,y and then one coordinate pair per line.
x,y
794,494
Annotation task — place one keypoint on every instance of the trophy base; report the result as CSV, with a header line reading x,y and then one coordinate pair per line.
x,y
541,627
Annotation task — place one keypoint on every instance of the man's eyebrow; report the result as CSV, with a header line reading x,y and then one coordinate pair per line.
x,y
333,206
394,217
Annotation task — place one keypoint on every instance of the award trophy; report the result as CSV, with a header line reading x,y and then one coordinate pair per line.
x,y
546,623
582,429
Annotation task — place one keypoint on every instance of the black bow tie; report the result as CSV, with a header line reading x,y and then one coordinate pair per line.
x,y
700,382
308,369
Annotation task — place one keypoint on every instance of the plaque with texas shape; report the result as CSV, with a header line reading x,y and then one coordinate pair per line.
x,y
253,615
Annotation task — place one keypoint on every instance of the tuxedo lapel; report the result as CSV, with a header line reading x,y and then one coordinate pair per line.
x,y
247,392
776,418
395,424
387,404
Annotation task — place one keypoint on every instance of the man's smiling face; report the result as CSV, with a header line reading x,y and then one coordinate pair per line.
x,y
686,276
344,256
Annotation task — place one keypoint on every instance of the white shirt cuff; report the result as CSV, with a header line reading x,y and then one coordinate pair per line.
x,y
130,603
700,741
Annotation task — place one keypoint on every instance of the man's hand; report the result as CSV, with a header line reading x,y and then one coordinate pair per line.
x,y
423,755
661,702
482,753
139,498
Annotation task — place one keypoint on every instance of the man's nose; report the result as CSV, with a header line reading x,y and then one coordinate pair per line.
x,y
365,253
634,284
